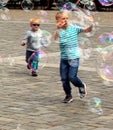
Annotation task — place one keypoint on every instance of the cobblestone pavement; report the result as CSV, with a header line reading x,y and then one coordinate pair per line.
x,y
34,103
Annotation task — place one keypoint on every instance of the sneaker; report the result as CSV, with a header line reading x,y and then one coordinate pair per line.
x,y
82,91
68,99
28,67
34,73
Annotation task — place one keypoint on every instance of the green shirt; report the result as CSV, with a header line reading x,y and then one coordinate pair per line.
x,y
69,46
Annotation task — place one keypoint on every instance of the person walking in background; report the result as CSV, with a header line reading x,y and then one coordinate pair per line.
x,y
49,4
70,55
32,40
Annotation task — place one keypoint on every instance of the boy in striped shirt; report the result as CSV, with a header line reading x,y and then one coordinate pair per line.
x,y
70,55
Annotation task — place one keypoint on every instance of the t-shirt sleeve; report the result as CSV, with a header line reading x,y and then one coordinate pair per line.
x,y
78,29
25,39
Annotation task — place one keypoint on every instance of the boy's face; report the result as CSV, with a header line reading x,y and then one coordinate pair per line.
x,y
35,25
63,20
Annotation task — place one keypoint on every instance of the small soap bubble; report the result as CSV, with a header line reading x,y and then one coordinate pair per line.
x,y
27,5
94,105
5,14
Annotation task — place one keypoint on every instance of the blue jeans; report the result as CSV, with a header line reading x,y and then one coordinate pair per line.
x,y
28,54
68,73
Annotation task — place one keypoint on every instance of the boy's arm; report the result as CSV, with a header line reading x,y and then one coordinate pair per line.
x,y
89,29
25,39
56,36
59,26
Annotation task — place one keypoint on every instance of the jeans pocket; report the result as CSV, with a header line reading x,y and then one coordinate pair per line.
x,y
74,62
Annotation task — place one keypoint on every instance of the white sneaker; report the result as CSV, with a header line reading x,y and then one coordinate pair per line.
x,y
83,91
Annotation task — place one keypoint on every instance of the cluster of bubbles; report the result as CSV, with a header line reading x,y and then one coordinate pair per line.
x,y
43,16
26,5
94,105
83,18
88,4
104,62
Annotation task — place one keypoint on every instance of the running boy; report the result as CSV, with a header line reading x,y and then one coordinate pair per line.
x,y
32,40
70,54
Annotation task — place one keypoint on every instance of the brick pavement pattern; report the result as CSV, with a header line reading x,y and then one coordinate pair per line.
x,y
34,103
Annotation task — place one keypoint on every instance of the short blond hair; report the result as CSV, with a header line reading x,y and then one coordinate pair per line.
x,y
59,14
33,20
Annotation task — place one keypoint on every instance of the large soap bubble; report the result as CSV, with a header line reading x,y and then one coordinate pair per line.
x,y
106,2
85,48
46,38
105,63
37,60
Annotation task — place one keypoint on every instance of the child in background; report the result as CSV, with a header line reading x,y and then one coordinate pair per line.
x,y
32,40
70,55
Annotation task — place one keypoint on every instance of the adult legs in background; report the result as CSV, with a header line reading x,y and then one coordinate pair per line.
x,y
49,4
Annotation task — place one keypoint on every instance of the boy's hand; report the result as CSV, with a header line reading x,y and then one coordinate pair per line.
x,y
60,25
89,29
23,44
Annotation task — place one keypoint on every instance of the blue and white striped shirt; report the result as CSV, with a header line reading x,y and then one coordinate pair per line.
x,y
69,46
